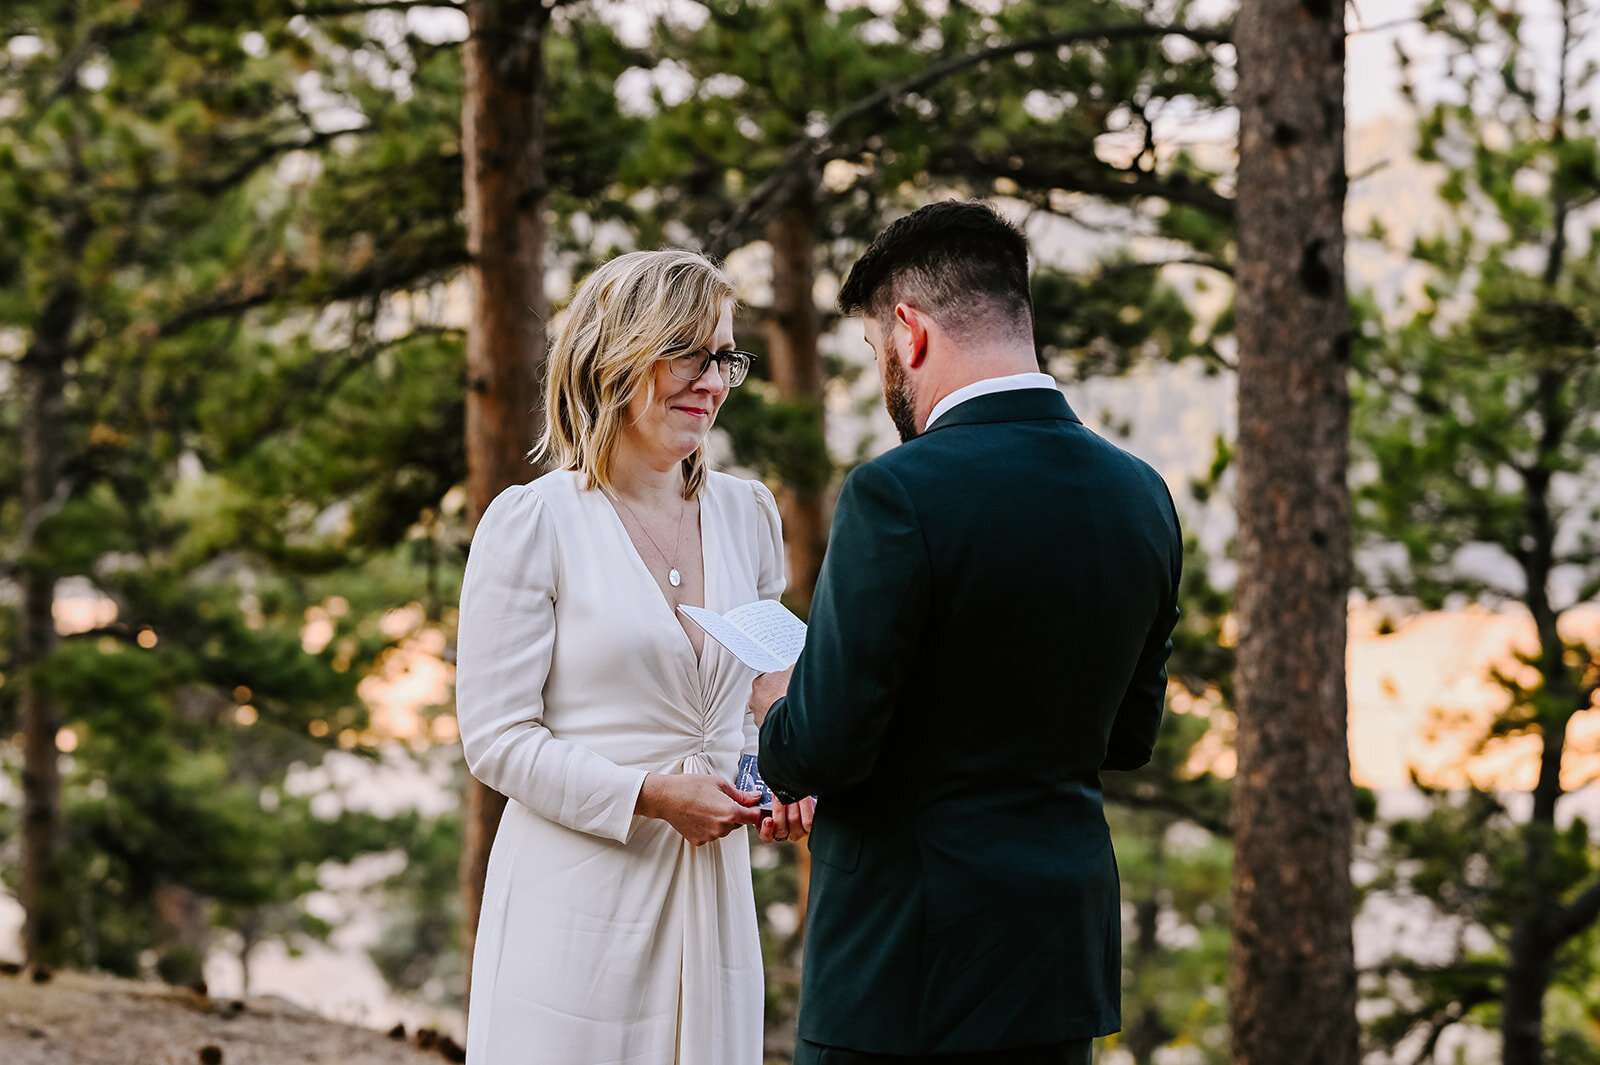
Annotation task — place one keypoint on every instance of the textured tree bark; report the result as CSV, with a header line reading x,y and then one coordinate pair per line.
x,y
792,332
502,141
1292,974
41,382
1531,956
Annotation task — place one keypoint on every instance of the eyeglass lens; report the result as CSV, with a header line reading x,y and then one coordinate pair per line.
x,y
733,365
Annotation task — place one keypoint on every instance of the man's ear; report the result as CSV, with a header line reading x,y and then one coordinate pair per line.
x,y
917,327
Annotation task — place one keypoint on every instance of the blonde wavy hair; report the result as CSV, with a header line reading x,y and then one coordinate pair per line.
x,y
624,318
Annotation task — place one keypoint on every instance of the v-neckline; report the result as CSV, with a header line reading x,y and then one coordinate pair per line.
x,y
643,569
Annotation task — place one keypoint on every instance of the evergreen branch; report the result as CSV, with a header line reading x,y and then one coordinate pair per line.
x,y
1432,405
97,36
1576,916
1590,590
1132,799
1208,351
1105,182
794,171
1485,972
890,94
243,169
1452,1013
1156,264
384,276
357,7
1427,18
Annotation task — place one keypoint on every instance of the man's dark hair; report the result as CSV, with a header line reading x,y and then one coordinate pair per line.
x,y
958,261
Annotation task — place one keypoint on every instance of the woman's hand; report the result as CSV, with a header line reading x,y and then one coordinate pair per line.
x,y
702,808
791,823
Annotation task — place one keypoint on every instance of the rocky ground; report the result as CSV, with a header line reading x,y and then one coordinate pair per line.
x,y
80,1019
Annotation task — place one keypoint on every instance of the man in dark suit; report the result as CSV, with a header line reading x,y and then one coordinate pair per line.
x,y
990,631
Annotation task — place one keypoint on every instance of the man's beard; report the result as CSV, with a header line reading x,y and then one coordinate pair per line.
x,y
897,398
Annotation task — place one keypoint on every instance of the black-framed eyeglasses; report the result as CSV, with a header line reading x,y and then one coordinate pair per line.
x,y
690,365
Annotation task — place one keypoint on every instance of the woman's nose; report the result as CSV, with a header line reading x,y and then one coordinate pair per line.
x,y
710,379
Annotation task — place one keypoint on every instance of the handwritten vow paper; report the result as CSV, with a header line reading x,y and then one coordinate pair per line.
x,y
763,635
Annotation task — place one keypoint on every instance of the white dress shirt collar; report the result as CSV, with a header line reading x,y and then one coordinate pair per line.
x,y
989,385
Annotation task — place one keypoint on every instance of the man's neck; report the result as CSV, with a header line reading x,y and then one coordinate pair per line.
x,y
970,372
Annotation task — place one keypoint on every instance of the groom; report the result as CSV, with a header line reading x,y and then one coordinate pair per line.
x,y
990,631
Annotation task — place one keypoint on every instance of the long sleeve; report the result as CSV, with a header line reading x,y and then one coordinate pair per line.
x,y
771,579
870,607
504,645
1132,742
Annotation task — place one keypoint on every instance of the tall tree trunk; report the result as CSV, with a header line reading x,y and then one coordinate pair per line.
x,y
792,333
502,140
1292,981
1530,961
183,934
1531,954
41,382
41,379
1146,1032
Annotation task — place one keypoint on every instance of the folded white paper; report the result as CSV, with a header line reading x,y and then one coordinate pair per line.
x,y
763,635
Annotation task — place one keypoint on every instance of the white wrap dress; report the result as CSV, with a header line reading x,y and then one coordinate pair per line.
x,y
605,938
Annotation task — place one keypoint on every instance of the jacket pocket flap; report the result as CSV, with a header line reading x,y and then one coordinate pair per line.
x,y
837,844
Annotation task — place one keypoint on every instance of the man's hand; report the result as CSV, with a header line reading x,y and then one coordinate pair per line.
x,y
791,823
768,689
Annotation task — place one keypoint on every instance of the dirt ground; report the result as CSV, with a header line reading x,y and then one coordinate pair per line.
x,y
78,1019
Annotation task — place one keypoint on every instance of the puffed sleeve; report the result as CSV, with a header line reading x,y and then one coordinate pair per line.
x,y
771,580
503,648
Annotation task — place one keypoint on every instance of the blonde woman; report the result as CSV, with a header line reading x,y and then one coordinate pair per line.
x,y
618,921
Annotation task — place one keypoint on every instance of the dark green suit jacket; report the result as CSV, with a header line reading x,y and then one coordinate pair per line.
x,y
990,631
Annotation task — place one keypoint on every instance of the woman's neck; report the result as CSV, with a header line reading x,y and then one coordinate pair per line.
x,y
639,481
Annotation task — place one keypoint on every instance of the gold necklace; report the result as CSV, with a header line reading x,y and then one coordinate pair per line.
x,y
674,578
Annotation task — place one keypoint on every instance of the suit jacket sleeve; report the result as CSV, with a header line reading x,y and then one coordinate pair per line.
x,y
1138,720
866,621
504,644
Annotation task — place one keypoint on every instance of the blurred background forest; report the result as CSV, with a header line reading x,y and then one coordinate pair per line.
x,y
236,383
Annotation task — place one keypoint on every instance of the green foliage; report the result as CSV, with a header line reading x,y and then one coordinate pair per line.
x,y
780,439
1475,435
236,227
420,950
1176,880
1105,323
246,438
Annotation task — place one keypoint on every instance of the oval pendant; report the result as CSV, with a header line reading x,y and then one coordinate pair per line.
x,y
674,578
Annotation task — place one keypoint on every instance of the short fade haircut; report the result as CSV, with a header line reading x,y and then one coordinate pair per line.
x,y
958,261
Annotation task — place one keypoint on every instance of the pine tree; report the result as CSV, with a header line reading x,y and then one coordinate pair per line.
x,y
1292,988
1479,425
198,446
